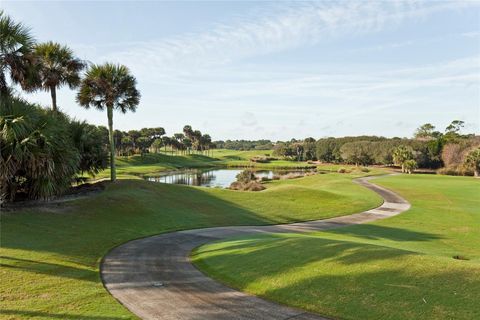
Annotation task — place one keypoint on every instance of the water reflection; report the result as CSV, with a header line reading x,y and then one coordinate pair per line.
x,y
221,178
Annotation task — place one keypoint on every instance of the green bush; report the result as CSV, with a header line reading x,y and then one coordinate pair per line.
x,y
246,176
41,151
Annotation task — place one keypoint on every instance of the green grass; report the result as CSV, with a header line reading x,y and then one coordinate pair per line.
x,y
50,256
398,268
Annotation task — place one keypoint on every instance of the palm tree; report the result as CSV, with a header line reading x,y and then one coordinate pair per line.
x,y
57,67
109,86
402,154
16,57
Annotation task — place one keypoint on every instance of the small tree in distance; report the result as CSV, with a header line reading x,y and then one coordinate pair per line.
x,y
410,165
400,155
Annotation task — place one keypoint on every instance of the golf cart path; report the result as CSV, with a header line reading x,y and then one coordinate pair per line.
x,y
154,279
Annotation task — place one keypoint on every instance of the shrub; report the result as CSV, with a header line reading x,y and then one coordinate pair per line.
x,y
41,151
342,170
249,186
410,165
472,161
364,169
246,176
276,177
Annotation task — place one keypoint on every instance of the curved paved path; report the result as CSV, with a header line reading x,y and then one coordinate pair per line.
x,y
154,278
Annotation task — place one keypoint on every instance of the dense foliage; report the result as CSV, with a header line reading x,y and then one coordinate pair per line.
x,y
41,152
428,149
154,139
244,144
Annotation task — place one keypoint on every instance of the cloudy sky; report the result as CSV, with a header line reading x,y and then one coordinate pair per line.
x,y
276,70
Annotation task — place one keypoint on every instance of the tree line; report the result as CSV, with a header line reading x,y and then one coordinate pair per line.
x,y
244,145
450,150
154,139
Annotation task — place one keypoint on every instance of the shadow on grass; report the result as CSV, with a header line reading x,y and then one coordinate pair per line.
x,y
84,230
375,232
345,279
47,268
48,315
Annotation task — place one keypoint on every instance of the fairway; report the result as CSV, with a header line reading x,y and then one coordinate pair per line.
x,y
51,255
399,268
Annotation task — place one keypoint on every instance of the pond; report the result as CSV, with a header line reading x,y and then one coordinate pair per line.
x,y
216,178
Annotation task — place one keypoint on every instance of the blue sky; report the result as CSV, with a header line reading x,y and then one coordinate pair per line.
x,y
276,70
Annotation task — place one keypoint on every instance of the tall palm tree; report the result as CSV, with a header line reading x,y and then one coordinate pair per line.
x,y
109,86
57,67
16,56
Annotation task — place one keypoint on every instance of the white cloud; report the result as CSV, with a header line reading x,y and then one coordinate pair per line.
x,y
279,28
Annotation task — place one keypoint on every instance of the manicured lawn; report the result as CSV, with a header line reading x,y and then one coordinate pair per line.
x,y
399,268
50,256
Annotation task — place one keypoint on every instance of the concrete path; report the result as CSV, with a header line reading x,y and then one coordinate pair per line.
x,y
154,278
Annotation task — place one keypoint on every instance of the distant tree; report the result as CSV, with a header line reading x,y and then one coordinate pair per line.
x,y
166,142
455,126
284,150
246,176
110,87
206,142
157,144
188,144
309,149
424,131
472,161
452,131
57,66
134,134
410,165
157,132
328,150
358,152
143,143
401,154
298,149
127,145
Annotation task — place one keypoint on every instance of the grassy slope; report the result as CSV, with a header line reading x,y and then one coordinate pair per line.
x,y
50,257
399,268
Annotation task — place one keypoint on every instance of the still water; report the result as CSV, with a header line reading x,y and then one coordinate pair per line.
x,y
220,178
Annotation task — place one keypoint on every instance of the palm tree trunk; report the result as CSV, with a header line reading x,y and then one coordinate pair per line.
x,y
113,173
53,93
